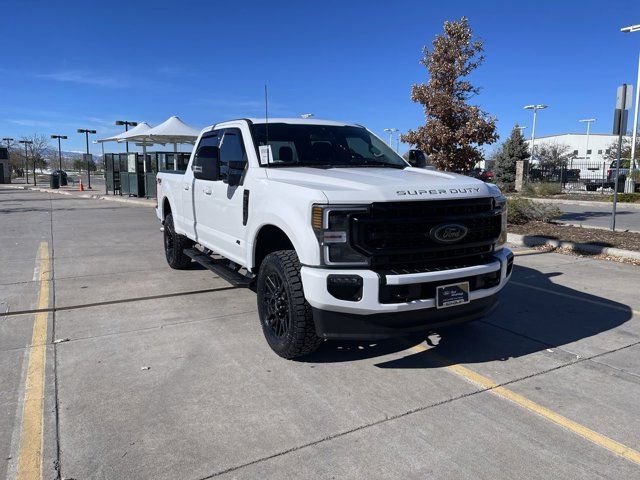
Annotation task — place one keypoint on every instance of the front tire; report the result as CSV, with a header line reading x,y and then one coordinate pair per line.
x,y
174,246
285,315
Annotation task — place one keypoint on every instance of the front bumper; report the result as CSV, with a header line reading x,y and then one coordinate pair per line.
x,y
370,318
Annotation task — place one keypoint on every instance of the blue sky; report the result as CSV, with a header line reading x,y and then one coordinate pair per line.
x,y
68,65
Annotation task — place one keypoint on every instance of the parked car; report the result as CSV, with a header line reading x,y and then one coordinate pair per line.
x,y
341,237
481,174
625,166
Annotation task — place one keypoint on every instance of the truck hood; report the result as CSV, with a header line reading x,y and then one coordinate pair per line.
x,y
366,185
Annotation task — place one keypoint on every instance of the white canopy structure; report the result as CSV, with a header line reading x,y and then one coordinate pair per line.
x,y
139,129
173,130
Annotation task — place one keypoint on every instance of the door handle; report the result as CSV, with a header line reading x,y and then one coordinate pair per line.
x,y
186,186
207,191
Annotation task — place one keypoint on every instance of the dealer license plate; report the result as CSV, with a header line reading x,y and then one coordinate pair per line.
x,y
451,295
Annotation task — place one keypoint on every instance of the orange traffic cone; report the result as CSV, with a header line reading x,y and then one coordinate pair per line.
x,y
81,185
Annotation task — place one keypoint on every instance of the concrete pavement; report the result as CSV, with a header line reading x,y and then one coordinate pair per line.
x,y
590,213
165,374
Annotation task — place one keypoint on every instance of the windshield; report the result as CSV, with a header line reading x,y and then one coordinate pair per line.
x,y
304,145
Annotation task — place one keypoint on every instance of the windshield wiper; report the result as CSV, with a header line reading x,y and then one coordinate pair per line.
x,y
375,163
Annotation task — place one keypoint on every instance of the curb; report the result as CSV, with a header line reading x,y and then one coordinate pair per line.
x,y
585,203
533,241
95,196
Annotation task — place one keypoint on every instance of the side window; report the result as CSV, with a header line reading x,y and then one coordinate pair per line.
x,y
206,162
232,153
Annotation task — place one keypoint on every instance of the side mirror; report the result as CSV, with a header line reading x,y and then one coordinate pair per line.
x,y
207,166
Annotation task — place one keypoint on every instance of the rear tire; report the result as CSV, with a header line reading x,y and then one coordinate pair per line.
x,y
285,315
174,245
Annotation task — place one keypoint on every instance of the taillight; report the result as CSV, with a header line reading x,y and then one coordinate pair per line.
x,y
609,173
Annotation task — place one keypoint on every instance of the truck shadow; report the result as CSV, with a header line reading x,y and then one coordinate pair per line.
x,y
529,319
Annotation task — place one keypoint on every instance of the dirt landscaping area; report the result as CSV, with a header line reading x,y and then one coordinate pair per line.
x,y
591,236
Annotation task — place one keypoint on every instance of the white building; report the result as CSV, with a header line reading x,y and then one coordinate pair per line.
x,y
599,145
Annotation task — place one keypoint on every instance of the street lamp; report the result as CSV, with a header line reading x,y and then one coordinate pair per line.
x,y
86,135
535,109
588,121
631,29
127,124
26,161
390,131
59,137
307,115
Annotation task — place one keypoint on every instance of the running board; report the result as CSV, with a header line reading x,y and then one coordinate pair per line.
x,y
219,267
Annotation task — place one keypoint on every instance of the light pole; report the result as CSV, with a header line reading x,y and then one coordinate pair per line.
x,y
86,135
127,124
631,29
59,137
26,161
535,109
306,115
588,121
390,131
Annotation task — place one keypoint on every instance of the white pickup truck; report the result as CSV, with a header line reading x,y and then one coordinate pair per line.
x,y
341,238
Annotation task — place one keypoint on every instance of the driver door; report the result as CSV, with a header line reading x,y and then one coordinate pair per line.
x,y
206,172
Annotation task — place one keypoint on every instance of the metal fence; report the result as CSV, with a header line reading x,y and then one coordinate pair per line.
x,y
576,176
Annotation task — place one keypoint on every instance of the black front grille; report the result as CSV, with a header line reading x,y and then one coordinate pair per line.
x,y
398,233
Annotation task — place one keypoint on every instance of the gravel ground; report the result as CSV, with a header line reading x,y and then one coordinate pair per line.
x,y
605,238
584,196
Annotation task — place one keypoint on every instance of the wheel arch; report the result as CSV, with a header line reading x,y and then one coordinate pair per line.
x,y
269,238
166,208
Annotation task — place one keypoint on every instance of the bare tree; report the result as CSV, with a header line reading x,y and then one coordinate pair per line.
x,y
454,130
37,150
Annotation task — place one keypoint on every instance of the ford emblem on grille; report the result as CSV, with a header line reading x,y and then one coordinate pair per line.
x,y
448,232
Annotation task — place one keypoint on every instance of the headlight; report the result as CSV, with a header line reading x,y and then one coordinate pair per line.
x,y
331,225
500,201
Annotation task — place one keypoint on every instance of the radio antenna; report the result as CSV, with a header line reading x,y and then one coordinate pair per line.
x,y
266,119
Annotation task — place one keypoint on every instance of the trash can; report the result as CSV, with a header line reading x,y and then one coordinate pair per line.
x,y
55,180
63,178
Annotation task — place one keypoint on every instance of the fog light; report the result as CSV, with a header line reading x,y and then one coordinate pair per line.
x,y
345,287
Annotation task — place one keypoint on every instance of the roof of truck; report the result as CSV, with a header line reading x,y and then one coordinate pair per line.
x,y
301,121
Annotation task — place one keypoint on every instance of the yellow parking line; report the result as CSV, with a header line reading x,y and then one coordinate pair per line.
x,y
584,432
31,437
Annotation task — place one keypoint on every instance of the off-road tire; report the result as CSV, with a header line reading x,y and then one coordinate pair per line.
x,y
174,244
292,333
